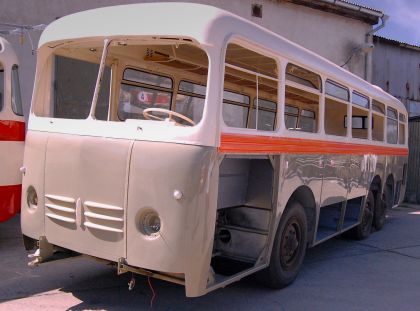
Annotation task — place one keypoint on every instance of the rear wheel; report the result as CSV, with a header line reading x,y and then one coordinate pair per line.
x,y
380,211
288,249
363,230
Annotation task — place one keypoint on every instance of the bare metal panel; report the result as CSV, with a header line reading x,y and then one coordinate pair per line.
x,y
233,182
358,176
335,179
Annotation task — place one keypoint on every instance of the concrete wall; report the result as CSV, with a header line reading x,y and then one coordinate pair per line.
x,y
396,67
413,177
327,34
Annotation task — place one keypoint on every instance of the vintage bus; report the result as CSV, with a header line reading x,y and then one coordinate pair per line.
x,y
12,132
199,148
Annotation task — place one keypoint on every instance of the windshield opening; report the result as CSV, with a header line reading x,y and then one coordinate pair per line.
x,y
154,81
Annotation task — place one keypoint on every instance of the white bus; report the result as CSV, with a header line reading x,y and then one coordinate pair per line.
x,y
182,142
12,132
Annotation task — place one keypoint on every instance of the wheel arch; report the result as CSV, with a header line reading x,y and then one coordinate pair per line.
x,y
305,197
389,189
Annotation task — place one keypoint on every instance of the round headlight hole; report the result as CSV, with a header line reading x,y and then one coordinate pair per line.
x,y
150,223
31,197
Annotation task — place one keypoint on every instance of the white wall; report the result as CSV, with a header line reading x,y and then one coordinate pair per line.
x,y
399,66
327,34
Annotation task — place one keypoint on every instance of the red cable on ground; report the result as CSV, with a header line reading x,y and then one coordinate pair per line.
x,y
153,292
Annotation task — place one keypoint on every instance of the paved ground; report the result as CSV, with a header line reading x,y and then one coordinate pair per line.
x,y
380,273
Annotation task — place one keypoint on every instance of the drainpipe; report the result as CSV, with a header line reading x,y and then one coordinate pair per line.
x,y
369,40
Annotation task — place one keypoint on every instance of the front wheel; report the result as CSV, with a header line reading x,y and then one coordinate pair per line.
x,y
289,248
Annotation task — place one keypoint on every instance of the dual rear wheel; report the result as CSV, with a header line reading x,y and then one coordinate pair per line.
x,y
291,239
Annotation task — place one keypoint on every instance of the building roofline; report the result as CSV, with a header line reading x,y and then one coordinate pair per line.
x,y
397,43
343,8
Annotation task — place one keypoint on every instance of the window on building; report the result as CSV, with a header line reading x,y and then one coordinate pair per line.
x,y
392,126
336,99
249,74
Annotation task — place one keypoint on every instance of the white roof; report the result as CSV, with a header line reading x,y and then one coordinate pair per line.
x,y
203,23
7,54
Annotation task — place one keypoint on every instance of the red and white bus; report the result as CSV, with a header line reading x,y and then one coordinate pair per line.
x,y
12,132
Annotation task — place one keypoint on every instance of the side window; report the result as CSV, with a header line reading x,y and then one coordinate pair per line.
x,y
391,126
249,75
291,116
336,102
307,121
378,119
74,84
266,118
303,89
401,131
190,101
16,95
1,86
235,109
360,115
140,90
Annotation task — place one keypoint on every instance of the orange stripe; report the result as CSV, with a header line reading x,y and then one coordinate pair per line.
x,y
239,143
12,130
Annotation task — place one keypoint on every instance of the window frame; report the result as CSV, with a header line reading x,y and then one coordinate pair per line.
x,y
122,81
275,111
15,88
392,118
254,47
338,85
2,98
312,90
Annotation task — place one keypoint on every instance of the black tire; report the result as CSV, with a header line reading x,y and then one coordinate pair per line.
x,y
379,215
289,248
363,230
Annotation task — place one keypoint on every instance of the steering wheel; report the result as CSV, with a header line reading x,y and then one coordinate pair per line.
x,y
147,114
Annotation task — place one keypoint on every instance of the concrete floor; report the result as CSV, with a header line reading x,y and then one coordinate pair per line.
x,y
380,273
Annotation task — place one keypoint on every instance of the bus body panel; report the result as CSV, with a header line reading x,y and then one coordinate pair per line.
x,y
185,240
32,217
12,136
88,177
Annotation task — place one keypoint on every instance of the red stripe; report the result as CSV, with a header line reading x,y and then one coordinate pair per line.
x,y
10,197
236,143
12,130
